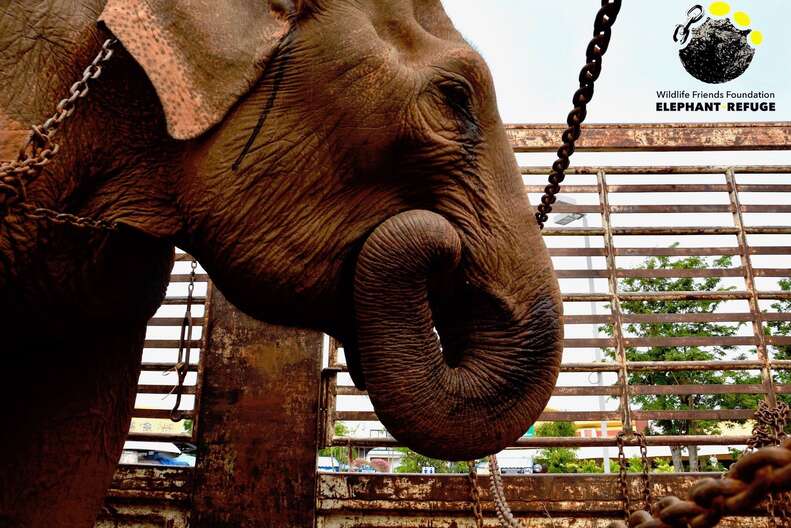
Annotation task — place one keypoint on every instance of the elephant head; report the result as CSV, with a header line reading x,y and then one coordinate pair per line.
x,y
342,166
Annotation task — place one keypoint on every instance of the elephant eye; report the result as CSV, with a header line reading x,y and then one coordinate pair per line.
x,y
457,96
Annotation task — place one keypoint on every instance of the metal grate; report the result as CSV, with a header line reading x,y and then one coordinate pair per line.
x,y
732,211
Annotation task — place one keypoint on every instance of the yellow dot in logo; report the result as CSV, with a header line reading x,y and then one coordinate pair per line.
x,y
741,18
719,8
756,37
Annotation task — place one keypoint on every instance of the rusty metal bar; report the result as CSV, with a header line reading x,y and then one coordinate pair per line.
x,y
659,170
749,280
569,441
655,137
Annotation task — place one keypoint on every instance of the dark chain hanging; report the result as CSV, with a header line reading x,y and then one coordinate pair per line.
x,y
185,347
764,474
588,76
39,150
623,468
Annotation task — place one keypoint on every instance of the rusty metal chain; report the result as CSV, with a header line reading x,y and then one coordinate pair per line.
x,y
185,347
597,47
769,430
475,494
40,149
623,469
504,514
760,474
694,15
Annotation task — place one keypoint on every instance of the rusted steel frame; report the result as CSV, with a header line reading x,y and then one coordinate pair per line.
x,y
656,137
667,188
546,416
751,388
159,437
671,208
155,366
173,321
640,170
667,230
185,277
770,250
778,340
199,380
172,485
718,317
196,299
182,257
164,389
749,280
573,416
169,343
163,414
673,296
329,396
772,272
650,273
695,414
689,341
646,366
569,441
614,390
404,495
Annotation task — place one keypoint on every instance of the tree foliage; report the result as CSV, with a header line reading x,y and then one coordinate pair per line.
x,y
414,463
682,353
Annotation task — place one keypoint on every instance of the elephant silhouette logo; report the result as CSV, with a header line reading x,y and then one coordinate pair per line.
x,y
720,49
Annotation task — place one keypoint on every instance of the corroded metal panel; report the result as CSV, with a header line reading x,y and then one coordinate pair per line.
x,y
390,501
257,441
656,137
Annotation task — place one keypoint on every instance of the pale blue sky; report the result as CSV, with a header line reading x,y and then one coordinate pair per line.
x,y
535,50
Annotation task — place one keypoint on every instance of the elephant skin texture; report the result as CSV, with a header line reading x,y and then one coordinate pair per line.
x,y
333,164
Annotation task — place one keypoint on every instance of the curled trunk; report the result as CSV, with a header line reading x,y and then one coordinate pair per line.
x,y
455,369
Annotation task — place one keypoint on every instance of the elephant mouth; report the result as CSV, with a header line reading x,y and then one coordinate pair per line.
x,y
455,369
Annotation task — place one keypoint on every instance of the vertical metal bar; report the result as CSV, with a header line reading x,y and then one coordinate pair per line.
x,y
749,281
615,304
201,362
329,396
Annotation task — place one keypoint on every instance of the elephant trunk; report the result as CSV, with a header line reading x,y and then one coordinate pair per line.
x,y
455,369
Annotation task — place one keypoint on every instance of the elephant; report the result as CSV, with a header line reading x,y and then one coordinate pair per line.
x,y
338,165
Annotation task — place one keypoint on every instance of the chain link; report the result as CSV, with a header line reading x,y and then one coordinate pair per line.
x,y
597,47
185,347
475,494
694,15
756,476
622,471
40,149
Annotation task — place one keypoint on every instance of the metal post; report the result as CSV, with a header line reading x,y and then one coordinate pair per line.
x,y
257,443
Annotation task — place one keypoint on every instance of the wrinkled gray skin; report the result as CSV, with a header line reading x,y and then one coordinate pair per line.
x,y
379,201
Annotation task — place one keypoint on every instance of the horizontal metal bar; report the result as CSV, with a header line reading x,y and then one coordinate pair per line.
x,y
163,389
185,277
156,366
692,273
689,341
673,296
569,441
173,321
158,413
170,343
772,272
696,389
546,416
183,257
159,437
674,137
666,231
655,170
694,414
196,299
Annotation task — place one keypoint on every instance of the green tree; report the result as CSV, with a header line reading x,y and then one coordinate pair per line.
x,y
341,454
782,328
563,459
414,463
681,353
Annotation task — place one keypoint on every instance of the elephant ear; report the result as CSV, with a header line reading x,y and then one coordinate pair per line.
x,y
200,55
